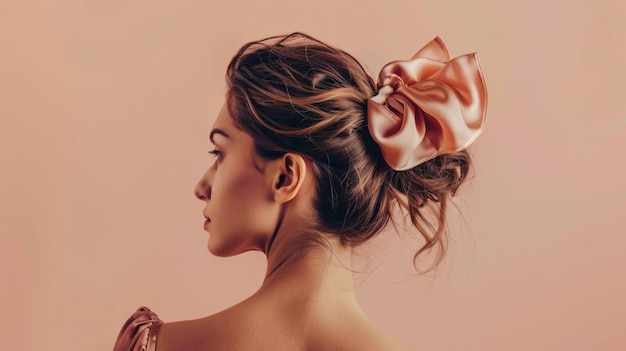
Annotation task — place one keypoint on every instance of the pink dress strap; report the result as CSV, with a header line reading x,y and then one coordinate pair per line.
x,y
140,332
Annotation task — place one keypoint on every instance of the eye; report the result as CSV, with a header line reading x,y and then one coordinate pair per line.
x,y
216,154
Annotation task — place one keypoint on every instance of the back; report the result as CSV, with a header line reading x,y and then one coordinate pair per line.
x,y
259,326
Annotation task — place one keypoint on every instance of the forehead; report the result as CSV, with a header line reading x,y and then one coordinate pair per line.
x,y
225,130
237,142
224,121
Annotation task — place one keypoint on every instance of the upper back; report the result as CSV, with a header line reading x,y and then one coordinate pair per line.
x,y
254,326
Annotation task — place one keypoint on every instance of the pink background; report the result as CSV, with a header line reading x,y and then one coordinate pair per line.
x,y
104,112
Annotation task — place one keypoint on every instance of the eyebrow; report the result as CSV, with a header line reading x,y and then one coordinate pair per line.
x,y
217,131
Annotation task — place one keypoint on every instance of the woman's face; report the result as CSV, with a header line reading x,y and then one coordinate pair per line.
x,y
239,207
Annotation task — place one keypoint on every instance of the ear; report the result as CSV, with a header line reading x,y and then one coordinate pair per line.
x,y
289,176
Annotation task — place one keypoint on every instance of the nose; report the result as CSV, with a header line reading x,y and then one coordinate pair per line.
x,y
203,188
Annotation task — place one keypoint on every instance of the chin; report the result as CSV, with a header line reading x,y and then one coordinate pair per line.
x,y
220,250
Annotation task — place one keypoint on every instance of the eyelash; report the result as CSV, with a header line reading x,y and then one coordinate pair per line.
x,y
216,153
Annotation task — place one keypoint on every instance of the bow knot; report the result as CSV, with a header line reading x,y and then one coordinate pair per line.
x,y
389,85
427,106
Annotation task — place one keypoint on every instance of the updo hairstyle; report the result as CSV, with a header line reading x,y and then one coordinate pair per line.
x,y
294,93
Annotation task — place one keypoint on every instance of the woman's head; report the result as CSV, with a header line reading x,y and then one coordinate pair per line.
x,y
295,94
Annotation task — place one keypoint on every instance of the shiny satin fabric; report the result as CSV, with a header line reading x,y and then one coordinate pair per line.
x,y
427,106
140,332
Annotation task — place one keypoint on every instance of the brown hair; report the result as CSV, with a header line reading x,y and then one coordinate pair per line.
x,y
294,93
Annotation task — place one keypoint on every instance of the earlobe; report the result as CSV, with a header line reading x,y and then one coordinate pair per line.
x,y
290,177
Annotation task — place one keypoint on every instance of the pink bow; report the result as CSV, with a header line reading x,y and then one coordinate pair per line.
x,y
427,106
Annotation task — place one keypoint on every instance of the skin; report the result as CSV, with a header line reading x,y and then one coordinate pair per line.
x,y
307,300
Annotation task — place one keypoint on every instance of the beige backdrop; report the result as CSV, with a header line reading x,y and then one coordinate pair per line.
x,y
104,113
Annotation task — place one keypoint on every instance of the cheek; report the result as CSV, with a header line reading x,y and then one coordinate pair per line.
x,y
241,187
243,218
249,199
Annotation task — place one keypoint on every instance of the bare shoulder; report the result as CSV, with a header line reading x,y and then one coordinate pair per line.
x,y
244,326
252,326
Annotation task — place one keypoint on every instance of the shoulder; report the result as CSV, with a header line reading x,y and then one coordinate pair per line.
x,y
139,332
236,328
251,326
246,326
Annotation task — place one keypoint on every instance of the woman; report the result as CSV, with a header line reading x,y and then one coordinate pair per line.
x,y
311,159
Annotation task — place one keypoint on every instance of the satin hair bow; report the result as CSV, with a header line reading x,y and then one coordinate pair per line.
x,y
427,106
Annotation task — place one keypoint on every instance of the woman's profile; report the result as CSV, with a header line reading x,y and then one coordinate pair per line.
x,y
312,157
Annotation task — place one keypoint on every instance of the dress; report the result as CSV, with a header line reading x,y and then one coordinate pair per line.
x,y
140,332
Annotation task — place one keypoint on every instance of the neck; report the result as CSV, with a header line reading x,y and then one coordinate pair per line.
x,y
314,269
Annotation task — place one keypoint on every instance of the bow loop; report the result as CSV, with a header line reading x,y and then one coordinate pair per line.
x,y
427,106
393,80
